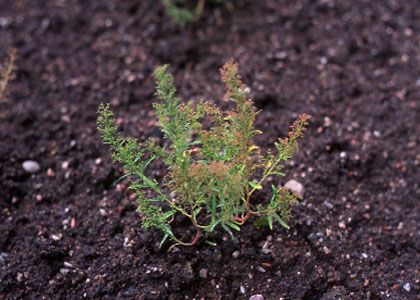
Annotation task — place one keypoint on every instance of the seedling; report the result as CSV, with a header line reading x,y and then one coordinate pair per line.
x,y
182,15
214,168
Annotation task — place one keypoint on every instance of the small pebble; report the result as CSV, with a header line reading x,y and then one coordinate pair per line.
x,y
256,297
328,204
65,165
203,273
73,222
407,287
64,271
50,172
57,237
31,166
236,254
261,269
327,122
3,256
295,187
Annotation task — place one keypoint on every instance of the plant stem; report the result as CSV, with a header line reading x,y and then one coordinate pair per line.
x,y
192,243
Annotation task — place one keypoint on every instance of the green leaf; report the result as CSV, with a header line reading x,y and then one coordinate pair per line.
x,y
148,162
281,221
121,178
270,222
277,173
213,225
233,225
169,214
255,185
261,222
211,243
227,229
162,241
197,211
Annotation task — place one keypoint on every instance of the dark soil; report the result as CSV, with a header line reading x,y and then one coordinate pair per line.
x,y
70,232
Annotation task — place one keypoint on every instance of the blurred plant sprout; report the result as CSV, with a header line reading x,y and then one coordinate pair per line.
x,y
182,15
6,73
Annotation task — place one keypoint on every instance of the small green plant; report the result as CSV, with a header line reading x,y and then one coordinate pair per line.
x,y
6,72
181,15
213,166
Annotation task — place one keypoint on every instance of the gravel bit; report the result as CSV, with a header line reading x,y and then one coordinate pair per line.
x,y
295,187
31,166
256,297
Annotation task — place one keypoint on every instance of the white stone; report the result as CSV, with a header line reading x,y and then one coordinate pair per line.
x,y
64,271
256,297
296,187
203,273
31,166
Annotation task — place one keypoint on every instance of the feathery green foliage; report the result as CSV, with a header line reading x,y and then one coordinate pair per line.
x,y
214,167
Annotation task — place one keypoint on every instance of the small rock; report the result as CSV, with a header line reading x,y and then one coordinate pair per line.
x,y
242,289
3,256
127,242
64,271
256,297
236,254
31,166
266,250
328,204
65,165
50,172
327,122
57,237
295,187
407,287
203,273
19,276
130,291
73,222
261,269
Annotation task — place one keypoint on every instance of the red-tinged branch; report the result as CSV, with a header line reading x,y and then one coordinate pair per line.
x,y
194,241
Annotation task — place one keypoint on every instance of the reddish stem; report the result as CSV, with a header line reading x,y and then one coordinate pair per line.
x,y
243,219
196,238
